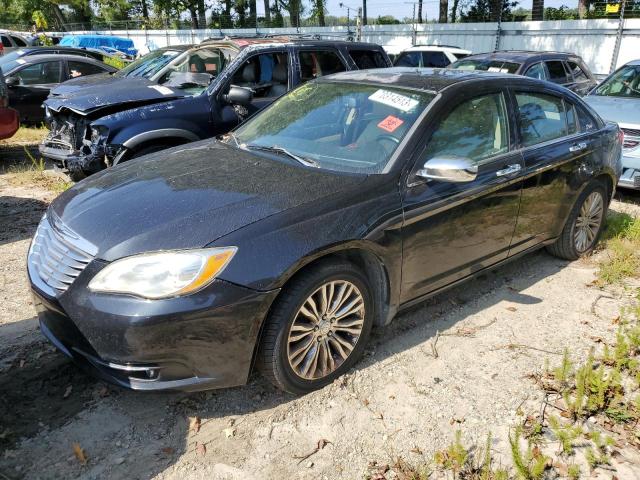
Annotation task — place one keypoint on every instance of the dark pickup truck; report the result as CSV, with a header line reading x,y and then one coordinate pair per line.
x,y
199,92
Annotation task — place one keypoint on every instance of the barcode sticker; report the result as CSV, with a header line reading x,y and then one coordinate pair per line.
x,y
395,100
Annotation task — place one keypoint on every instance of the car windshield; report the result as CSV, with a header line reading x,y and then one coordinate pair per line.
x,y
338,126
498,66
194,71
150,64
624,83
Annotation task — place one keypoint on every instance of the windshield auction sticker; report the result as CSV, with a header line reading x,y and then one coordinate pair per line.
x,y
395,100
390,123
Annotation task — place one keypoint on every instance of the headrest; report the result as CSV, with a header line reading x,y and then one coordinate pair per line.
x,y
280,73
249,73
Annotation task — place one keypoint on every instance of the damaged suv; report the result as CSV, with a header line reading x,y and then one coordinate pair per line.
x,y
203,92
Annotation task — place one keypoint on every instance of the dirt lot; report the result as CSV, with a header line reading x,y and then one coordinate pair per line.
x,y
462,361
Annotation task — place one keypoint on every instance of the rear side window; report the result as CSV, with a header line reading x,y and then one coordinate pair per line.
x,y
314,64
409,59
536,71
557,73
476,129
460,56
368,59
577,72
585,120
434,59
19,42
6,42
80,69
542,118
572,119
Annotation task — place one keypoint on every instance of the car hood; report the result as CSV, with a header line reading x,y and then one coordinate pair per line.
x,y
624,111
75,84
132,91
187,197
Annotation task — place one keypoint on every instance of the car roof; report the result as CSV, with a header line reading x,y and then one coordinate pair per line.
x,y
30,59
243,42
61,48
520,56
634,62
427,48
428,79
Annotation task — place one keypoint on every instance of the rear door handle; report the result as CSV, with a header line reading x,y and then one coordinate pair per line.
x,y
511,169
577,147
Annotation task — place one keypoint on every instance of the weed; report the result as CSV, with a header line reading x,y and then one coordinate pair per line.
x,y
573,472
36,174
529,465
566,434
454,457
562,372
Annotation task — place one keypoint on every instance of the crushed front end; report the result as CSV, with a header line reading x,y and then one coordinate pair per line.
x,y
73,144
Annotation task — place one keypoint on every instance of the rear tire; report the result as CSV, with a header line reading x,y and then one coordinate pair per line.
x,y
318,328
584,225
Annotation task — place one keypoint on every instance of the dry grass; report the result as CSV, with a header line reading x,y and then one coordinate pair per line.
x,y
35,174
621,241
25,136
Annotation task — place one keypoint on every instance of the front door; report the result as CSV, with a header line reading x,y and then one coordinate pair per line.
x,y
35,82
452,230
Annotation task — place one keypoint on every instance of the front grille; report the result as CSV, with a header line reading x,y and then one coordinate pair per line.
x,y
631,138
58,255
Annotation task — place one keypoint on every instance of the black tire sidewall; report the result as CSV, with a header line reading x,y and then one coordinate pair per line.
x,y
285,374
593,187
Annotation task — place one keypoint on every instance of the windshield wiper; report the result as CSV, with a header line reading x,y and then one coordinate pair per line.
x,y
275,149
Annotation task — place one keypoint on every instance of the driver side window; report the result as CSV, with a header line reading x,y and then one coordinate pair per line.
x,y
477,129
266,74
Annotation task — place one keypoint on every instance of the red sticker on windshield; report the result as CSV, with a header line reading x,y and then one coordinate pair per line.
x,y
390,123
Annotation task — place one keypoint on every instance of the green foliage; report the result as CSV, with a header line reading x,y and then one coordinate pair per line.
x,y
566,434
562,372
530,464
454,457
39,20
573,472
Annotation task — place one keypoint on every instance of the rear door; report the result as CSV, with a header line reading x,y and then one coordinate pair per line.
x,y
580,81
555,147
36,80
452,230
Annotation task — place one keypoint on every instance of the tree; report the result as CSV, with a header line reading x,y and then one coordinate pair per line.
x,y
364,12
488,11
562,13
444,7
419,11
294,7
39,20
387,20
318,11
267,12
537,10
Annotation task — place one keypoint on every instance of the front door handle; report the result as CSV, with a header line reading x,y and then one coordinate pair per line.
x,y
511,169
577,147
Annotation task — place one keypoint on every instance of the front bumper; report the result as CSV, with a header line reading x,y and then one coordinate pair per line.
x,y
197,342
630,177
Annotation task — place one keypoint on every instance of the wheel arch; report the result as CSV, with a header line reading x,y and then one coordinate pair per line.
x,y
371,265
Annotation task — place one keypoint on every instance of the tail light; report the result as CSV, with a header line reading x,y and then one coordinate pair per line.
x,y
620,136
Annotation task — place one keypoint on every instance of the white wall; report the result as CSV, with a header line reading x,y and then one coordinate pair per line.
x,y
594,40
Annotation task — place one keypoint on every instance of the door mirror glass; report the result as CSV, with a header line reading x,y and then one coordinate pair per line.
x,y
239,96
449,169
12,81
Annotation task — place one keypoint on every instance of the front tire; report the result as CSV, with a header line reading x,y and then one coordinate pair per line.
x,y
318,328
584,225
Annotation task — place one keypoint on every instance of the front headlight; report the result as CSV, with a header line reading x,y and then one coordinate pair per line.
x,y
163,274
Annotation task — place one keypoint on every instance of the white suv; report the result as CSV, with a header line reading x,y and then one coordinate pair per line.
x,y
436,56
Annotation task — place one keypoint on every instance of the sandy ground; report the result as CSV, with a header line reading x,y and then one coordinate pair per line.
x,y
401,399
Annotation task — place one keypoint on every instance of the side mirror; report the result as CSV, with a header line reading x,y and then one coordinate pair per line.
x,y
449,169
238,96
12,81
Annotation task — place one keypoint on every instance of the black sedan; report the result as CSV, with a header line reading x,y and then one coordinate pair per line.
x,y
31,77
285,242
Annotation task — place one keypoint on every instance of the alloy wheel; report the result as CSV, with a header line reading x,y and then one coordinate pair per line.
x,y
588,222
325,329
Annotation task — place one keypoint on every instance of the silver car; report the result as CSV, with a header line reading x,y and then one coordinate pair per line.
x,y
617,99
